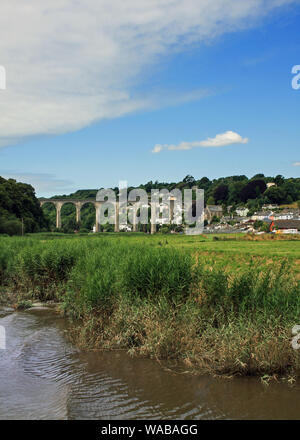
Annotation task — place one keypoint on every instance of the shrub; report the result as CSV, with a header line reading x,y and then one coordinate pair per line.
x,y
10,227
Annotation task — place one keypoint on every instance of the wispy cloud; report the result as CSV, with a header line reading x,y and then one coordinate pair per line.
x,y
70,63
44,184
296,164
220,140
260,58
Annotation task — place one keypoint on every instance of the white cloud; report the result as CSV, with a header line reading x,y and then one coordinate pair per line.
x,y
158,148
69,63
220,140
296,164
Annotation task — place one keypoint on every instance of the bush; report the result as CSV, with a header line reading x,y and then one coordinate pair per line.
x,y
10,227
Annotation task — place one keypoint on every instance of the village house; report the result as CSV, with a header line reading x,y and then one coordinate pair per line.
x,y
242,211
235,219
269,184
287,214
262,215
286,226
269,207
212,211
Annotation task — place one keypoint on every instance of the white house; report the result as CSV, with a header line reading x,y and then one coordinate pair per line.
x,y
242,212
269,206
125,228
269,184
287,214
262,215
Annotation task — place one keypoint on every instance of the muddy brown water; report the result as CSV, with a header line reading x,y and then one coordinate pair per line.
x,y
42,376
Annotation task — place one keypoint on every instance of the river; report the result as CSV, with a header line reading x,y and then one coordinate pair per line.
x,y
43,376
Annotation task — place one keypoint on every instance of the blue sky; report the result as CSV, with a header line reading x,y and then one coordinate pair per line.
x,y
237,81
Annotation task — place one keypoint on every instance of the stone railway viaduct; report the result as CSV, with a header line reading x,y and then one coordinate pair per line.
x,y
79,203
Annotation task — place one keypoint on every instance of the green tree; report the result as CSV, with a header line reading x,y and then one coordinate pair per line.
x,y
253,189
189,179
276,195
221,193
18,201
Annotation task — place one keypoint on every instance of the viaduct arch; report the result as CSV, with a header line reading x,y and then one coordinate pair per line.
x,y
79,203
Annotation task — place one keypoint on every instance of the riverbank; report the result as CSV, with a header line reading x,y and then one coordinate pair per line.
x,y
215,313
44,376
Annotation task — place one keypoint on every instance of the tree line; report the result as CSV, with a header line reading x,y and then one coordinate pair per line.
x,y
19,207
228,191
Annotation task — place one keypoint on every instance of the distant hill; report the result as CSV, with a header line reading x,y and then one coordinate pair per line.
x,y
79,194
228,191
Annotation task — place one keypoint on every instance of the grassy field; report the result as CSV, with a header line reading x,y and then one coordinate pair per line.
x,y
221,304
286,246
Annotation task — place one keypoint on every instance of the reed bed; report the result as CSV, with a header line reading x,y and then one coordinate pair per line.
x,y
217,315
